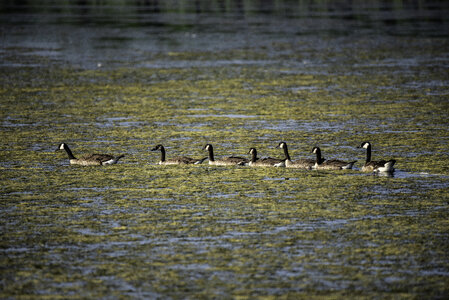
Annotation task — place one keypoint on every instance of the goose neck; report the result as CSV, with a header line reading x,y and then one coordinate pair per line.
x,y
211,153
162,154
319,159
287,156
69,152
253,156
368,154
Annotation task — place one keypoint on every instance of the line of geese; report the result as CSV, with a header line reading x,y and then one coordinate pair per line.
x,y
318,163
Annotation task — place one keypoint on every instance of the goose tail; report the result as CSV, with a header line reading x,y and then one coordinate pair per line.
x,y
200,161
116,159
388,166
350,165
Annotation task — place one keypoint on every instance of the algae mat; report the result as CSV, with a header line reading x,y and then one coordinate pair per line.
x,y
137,229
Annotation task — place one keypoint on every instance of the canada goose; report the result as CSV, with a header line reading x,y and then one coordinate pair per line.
x,y
332,164
181,160
90,159
264,162
376,166
225,161
299,164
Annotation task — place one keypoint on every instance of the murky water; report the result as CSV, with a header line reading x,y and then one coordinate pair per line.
x,y
121,78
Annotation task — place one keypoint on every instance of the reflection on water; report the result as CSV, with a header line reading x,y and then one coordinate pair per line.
x,y
90,35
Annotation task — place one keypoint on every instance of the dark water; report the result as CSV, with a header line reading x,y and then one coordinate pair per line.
x,y
134,34
123,76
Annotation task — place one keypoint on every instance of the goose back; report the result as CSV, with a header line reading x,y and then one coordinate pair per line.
x,y
89,159
333,164
264,162
180,160
225,161
297,164
373,165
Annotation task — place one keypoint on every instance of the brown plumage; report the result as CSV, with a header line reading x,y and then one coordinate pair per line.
x,y
373,165
298,164
264,162
333,164
90,159
180,160
225,161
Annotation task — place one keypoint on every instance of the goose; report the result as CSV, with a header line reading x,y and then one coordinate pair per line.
x,y
299,164
225,161
376,166
181,160
90,159
264,162
332,164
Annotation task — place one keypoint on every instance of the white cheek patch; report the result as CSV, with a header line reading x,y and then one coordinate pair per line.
x,y
365,145
61,147
108,162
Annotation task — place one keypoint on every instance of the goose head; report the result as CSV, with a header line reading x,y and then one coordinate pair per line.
x,y
365,145
316,150
157,147
61,146
208,147
252,151
282,145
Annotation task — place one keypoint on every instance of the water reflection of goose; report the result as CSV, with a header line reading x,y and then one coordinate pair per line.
x,y
225,161
90,159
264,162
299,164
332,164
375,166
180,160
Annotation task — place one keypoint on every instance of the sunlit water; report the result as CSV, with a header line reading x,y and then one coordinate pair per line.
x,y
122,78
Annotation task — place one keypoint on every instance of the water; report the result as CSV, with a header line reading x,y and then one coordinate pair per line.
x,y
124,77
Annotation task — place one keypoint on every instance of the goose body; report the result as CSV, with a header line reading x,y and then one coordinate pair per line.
x,y
90,159
225,161
264,162
333,164
181,160
376,166
298,164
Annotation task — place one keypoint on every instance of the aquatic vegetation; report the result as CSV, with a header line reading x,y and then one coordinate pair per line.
x,y
137,229
237,231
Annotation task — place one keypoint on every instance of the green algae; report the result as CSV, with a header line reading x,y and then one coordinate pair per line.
x,y
137,229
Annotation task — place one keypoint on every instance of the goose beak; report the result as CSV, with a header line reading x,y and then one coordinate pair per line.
x,y
154,149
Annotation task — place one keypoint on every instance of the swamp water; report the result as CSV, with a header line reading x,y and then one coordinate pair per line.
x,y
123,78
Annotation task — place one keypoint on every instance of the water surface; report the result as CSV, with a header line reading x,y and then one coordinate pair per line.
x,y
123,77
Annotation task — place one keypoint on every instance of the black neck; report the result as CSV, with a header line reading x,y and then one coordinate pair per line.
x,y
211,153
368,154
253,155
287,156
162,153
319,159
69,152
